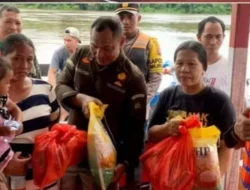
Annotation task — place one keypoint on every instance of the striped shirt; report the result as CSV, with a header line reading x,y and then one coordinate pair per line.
x,y
38,109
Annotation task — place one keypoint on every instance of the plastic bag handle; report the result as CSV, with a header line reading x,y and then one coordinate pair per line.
x,y
109,131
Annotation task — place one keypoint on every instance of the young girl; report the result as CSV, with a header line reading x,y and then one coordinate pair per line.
x,y
10,118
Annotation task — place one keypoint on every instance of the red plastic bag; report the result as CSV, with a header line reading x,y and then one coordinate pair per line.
x,y
171,163
39,156
55,151
76,142
56,164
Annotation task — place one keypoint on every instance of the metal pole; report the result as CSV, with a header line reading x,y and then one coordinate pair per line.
x,y
238,51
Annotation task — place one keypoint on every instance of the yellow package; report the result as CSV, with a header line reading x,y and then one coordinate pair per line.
x,y
101,151
208,171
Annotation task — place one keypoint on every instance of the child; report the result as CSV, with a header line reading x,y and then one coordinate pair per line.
x,y
10,117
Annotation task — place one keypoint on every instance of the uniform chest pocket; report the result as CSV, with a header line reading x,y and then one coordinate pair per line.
x,y
112,93
82,80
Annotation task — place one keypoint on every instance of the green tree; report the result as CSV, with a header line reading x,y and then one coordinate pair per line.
x,y
151,8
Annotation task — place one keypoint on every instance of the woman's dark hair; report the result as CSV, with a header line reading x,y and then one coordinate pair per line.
x,y
9,44
197,48
5,67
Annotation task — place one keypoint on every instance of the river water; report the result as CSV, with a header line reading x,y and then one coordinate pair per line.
x,y
45,28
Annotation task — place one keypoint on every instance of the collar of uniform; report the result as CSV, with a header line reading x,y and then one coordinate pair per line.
x,y
114,65
134,37
129,42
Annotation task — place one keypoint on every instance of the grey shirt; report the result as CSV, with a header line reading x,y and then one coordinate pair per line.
x,y
59,59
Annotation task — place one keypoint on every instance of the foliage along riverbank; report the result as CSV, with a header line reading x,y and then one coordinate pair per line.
x,y
145,8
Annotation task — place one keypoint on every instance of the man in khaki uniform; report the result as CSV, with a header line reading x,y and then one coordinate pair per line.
x,y
103,74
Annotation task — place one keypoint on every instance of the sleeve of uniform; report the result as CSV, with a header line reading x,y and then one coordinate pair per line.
x,y
155,68
133,141
65,86
54,116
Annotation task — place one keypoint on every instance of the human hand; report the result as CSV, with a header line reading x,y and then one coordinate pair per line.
x,y
173,126
17,166
118,173
85,104
6,131
167,71
242,126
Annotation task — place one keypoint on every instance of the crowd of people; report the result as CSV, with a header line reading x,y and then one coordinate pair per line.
x,y
122,67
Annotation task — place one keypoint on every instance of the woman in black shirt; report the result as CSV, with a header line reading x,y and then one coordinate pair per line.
x,y
192,96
